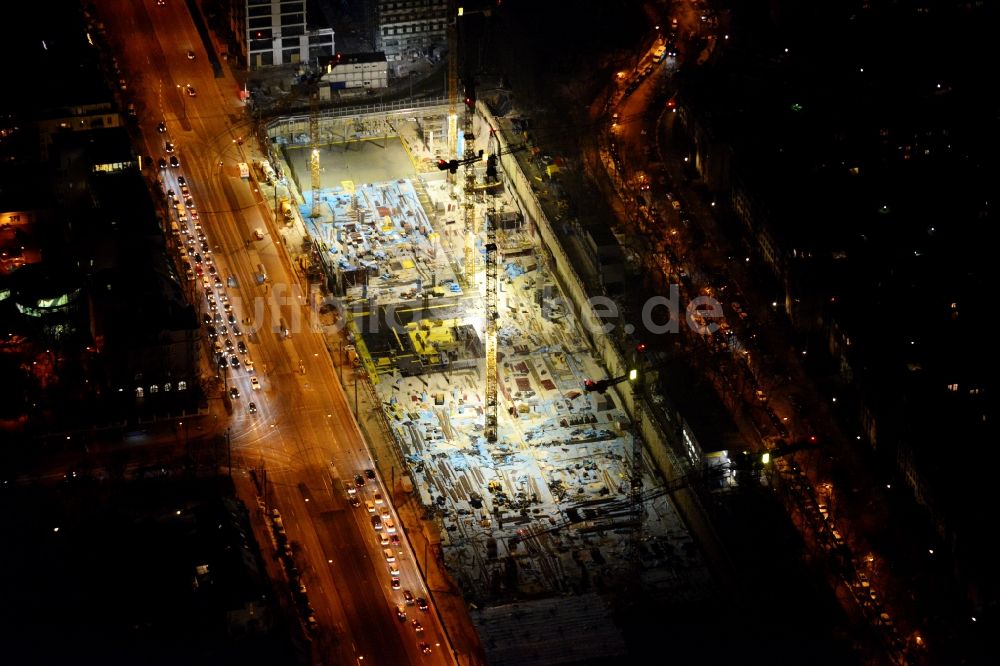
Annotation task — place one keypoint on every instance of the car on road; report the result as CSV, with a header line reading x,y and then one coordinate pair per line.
x,y
395,582
394,539
370,473
383,540
162,163
401,613
169,147
190,55
183,183
425,648
389,554
190,90
359,480
370,506
355,502
254,383
229,344
417,627
252,408
378,498
174,162
161,128
408,597
421,603
234,393
376,523
384,512
236,330
241,347
211,331
234,361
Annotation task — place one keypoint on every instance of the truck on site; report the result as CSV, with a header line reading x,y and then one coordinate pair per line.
x,y
286,210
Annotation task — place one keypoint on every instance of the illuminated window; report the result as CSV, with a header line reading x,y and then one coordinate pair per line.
x,y
181,386
139,392
166,387
154,389
952,387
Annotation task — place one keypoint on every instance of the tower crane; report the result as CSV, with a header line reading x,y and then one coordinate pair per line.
x,y
695,477
492,297
314,166
469,201
452,78
637,376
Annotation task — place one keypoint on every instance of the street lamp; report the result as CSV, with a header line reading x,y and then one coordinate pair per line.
x,y
183,91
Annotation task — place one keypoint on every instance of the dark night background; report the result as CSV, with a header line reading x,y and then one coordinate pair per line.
x,y
866,152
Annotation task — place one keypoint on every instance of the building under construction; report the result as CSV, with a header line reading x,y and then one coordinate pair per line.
x,y
537,526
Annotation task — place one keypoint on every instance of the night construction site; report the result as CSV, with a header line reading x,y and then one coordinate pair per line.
x,y
547,505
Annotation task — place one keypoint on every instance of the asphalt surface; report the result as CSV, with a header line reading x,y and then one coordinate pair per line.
x,y
302,444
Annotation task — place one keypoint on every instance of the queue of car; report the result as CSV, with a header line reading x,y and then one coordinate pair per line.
x,y
197,262
382,522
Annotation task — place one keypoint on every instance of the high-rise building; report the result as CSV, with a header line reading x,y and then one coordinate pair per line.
x,y
410,29
276,33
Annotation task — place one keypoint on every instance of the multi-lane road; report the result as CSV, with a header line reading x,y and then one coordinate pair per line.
x,y
301,430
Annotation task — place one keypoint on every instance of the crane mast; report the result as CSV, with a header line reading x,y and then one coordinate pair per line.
x,y
637,375
314,166
469,202
492,298
452,80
